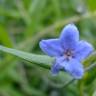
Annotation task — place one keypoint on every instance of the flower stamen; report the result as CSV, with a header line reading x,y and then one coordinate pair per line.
x,y
68,54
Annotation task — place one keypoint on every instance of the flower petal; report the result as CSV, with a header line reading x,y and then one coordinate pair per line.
x,y
83,50
69,36
55,69
57,65
51,47
74,67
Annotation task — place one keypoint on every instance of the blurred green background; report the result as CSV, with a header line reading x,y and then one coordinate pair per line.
x,y
23,23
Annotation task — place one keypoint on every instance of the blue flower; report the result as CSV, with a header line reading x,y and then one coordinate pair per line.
x,y
68,51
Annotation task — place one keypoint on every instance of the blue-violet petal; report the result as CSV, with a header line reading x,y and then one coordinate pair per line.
x,y
83,50
74,68
51,47
57,65
69,36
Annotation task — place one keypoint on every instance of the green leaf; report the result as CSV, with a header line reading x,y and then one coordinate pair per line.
x,y
91,4
9,13
4,37
41,60
56,6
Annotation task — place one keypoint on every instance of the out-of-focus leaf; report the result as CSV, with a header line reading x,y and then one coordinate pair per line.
x,y
41,60
91,4
4,37
94,94
90,77
36,11
9,13
57,7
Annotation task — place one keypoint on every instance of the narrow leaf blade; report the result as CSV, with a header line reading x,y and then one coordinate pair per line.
x,y
41,60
